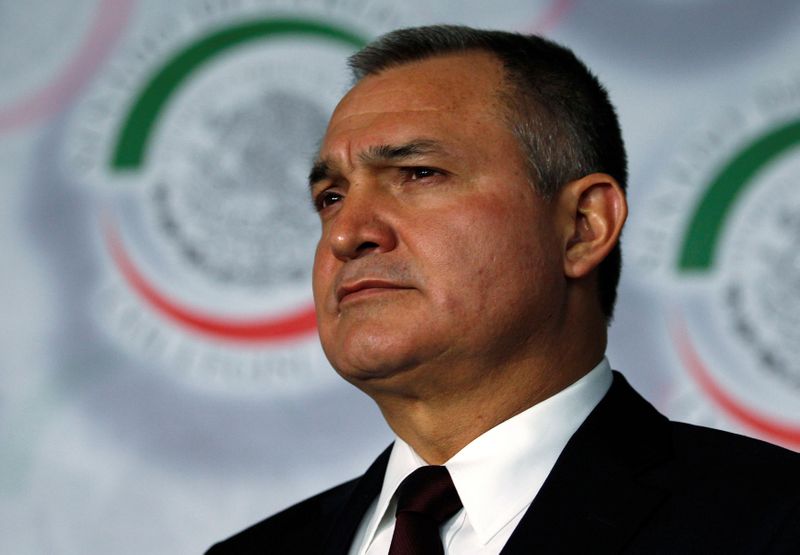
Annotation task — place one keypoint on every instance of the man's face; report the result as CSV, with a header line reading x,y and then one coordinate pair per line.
x,y
435,253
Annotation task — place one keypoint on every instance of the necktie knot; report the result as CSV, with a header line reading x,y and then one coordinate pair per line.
x,y
429,490
425,500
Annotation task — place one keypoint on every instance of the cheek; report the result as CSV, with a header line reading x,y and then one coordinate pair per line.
x,y
324,300
321,275
494,255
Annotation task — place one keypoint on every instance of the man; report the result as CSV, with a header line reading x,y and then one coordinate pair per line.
x,y
471,192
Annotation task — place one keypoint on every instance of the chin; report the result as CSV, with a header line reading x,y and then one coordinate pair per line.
x,y
373,358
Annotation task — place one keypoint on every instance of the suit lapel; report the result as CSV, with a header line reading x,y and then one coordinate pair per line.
x,y
352,511
595,500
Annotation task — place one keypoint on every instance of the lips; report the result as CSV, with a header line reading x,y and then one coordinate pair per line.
x,y
364,287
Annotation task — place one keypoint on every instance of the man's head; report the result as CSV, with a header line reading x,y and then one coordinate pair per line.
x,y
436,251
557,109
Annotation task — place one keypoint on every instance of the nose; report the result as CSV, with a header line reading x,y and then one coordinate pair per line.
x,y
362,225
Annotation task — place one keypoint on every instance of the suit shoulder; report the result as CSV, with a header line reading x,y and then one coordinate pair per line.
x,y
735,449
727,492
299,528
729,464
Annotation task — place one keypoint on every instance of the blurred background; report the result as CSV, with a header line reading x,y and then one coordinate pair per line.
x,y
161,384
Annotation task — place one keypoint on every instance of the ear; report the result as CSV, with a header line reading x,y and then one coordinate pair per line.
x,y
593,210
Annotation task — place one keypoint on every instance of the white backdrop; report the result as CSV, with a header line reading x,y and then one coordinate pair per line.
x,y
162,386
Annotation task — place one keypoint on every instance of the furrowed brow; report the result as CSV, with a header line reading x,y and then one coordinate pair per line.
x,y
391,153
376,155
319,171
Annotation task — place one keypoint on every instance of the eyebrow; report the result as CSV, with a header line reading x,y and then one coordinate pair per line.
x,y
378,154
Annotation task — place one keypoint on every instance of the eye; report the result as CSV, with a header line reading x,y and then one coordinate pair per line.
x,y
326,199
418,173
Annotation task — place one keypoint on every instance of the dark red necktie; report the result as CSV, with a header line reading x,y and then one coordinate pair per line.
x,y
425,500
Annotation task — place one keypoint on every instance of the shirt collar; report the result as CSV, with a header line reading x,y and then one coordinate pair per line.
x,y
499,473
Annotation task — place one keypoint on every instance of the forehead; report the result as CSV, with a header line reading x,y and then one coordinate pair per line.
x,y
431,97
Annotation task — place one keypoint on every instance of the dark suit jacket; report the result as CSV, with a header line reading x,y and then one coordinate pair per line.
x,y
628,481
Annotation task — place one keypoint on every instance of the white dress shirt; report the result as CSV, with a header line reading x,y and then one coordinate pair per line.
x,y
497,475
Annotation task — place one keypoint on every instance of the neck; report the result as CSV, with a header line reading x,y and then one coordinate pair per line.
x,y
439,420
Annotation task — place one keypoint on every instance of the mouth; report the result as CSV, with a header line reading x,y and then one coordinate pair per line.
x,y
350,292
